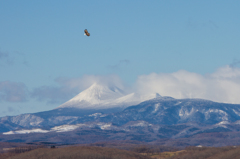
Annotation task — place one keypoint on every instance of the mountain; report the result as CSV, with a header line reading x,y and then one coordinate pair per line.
x,y
104,97
96,99
96,96
163,119
89,117
158,111
170,111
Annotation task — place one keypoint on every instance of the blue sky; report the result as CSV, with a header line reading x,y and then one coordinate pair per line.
x,y
43,50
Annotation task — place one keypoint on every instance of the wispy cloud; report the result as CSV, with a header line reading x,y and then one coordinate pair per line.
x,y
3,55
53,95
194,24
12,58
119,64
13,110
68,88
87,80
235,63
5,58
13,91
221,86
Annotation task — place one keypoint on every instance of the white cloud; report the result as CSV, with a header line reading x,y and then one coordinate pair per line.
x,y
68,88
221,86
53,95
87,80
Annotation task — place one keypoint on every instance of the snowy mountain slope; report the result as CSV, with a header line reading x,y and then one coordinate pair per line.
x,y
94,95
158,111
170,111
133,130
102,97
100,110
135,98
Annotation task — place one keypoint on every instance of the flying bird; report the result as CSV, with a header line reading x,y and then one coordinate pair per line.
x,y
86,32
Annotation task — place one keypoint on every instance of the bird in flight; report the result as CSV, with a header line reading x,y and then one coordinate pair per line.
x,y
86,32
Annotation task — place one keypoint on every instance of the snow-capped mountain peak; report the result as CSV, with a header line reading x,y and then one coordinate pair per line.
x,y
101,97
96,94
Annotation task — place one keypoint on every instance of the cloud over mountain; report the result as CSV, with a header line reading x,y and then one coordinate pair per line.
x,y
86,81
221,86
69,87
51,94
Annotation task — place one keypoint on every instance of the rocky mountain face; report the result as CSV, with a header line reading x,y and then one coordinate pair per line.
x,y
151,120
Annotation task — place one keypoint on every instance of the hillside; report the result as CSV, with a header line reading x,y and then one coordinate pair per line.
x,y
133,152
80,152
209,153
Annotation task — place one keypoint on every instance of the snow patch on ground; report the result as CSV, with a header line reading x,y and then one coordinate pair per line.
x,y
24,119
64,128
140,124
236,112
25,131
156,107
105,126
223,114
178,103
184,113
222,122
95,114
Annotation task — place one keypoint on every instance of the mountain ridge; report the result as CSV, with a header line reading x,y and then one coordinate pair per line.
x,y
150,120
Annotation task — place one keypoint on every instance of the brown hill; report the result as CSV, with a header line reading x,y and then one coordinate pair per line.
x,y
229,152
79,152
